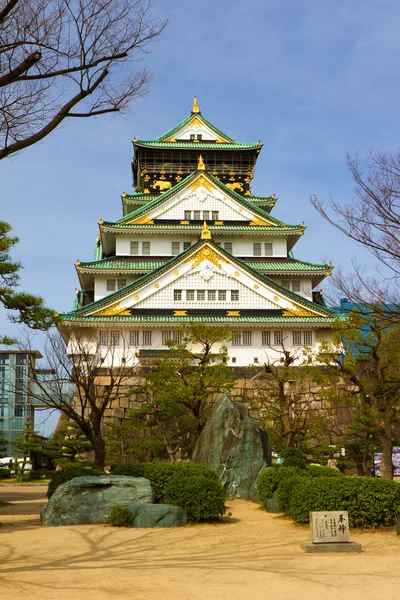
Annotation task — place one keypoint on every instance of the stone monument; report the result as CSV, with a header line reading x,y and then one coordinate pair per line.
x,y
330,533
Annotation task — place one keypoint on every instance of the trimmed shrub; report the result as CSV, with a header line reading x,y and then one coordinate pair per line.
x,y
294,457
40,474
270,478
160,473
133,470
370,502
5,473
285,489
60,477
315,471
201,497
120,516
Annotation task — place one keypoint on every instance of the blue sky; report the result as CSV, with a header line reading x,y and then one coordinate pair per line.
x,y
310,79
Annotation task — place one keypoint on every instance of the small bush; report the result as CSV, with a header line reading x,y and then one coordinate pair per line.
x,y
315,471
294,457
40,474
370,502
160,473
60,477
201,497
5,473
285,489
270,478
120,516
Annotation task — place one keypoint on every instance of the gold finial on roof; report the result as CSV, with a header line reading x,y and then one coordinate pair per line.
x,y
195,108
101,222
206,233
78,262
200,163
135,139
330,265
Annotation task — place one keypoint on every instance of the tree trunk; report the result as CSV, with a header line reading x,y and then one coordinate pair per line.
x,y
387,448
99,447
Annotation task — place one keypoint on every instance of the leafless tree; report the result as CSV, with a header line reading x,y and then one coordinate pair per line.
x,y
372,219
68,59
93,372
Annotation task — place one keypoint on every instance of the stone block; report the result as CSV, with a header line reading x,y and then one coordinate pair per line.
x,y
329,526
158,515
332,547
124,402
86,500
119,413
273,505
115,403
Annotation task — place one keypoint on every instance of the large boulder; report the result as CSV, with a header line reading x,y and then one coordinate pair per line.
x,y
89,499
157,515
235,446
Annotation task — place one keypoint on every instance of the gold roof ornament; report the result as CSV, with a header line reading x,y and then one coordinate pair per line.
x,y
205,233
78,262
101,222
200,163
195,108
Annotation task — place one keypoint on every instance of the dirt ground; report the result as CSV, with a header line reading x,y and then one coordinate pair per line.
x,y
252,556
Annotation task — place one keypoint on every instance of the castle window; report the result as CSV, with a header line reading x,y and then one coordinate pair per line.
x,y
228,247
295,285
171,335
186,245
291,284
199,136
134,248
308,338
211,295
146,337
188,215
206,215
134,338
192,137
121,283
177,295
222,295
278,338
234,295
257,249
297,338
114,338
196,215
242,338
266,338
269,249
175,248
110,285
146,248
190,295
215,215
285,283
201,295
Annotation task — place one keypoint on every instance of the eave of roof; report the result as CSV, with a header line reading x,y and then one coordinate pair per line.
x,y
151,319
203,145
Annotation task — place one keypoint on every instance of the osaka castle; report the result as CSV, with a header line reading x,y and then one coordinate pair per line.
x,y
194,244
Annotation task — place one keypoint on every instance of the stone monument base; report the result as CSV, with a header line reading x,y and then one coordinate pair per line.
x,y
332,547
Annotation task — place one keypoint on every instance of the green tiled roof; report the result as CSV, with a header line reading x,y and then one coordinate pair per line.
x,y
197,228
148,265
114,296
205,319
198,145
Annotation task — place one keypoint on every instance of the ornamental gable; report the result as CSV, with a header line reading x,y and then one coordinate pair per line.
x,y
198,197
206,268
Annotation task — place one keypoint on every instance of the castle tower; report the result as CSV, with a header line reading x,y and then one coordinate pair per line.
x,y
195,245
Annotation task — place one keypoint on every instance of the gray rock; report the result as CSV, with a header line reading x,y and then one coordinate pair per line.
x,y
157,515
89,499
235,446
273,505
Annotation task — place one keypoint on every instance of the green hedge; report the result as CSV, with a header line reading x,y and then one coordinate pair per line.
x,y
270,478
370,502
316,471
160,473
294,457
201,497
60,477
285,489
5,473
